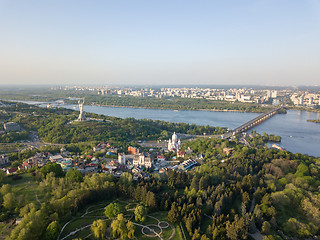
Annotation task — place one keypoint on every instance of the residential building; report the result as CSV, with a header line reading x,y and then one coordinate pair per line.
x,y
133,150
4,159
143,159
122,159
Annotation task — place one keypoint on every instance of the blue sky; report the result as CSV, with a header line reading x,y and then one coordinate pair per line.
x,y
275,42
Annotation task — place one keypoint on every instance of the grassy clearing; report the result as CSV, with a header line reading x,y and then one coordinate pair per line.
x,y
28,190
78,223
26,177
97,212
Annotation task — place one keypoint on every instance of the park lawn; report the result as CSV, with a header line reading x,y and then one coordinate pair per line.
x,y
178,235
77,223
83,234
27,190
167,232
96,213
132,206
161,216
97,210
26,177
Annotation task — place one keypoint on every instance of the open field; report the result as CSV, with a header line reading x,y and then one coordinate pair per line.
x,y
154,227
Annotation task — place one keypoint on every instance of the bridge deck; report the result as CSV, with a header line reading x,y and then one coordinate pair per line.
x,y
257,120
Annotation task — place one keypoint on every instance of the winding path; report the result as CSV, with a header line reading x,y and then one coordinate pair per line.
x,y
137,224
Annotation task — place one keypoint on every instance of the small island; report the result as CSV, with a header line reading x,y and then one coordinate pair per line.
x,y
314,120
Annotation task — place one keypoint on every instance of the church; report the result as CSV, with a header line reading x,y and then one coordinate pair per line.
x,y
174,143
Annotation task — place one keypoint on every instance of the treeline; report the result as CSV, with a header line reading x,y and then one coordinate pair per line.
x,y
176,103
315,121
255,139
54,126
13,137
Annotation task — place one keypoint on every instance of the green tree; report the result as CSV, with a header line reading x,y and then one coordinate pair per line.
x,y
302,170
126,178
266,227
151,200
204,237
112,210
74,175
196,235
53,167
5,189
130,230
53,230
99,228
173,214
9,201
119,228
140,213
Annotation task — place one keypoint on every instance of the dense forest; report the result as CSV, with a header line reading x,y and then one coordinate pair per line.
x,y
226,197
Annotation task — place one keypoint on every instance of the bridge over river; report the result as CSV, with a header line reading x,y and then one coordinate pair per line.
x,y
254,122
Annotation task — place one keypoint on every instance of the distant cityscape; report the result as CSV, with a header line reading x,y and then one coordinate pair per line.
x,y
246,95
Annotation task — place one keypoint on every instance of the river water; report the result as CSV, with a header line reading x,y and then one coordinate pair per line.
x,y
297,134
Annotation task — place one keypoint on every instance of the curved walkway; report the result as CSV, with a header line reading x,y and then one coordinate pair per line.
x,y
78,229
150,229
137,224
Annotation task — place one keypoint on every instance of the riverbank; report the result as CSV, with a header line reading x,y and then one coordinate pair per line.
x,y
307,109
314,121
155,108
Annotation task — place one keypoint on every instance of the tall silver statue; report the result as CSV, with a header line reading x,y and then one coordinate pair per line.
x,y
81,115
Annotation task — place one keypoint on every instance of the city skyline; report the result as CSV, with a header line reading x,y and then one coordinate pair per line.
x,y
169,43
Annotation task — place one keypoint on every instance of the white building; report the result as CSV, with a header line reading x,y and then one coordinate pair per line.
x,y
4,159
143,159
122,159
174,143
301,100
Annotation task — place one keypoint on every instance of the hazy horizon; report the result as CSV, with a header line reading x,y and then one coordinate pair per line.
x,y
267,43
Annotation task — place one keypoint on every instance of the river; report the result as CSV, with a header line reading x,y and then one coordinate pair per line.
x,y
297,134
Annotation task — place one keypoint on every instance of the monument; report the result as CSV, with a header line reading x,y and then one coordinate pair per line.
x,y
81,115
